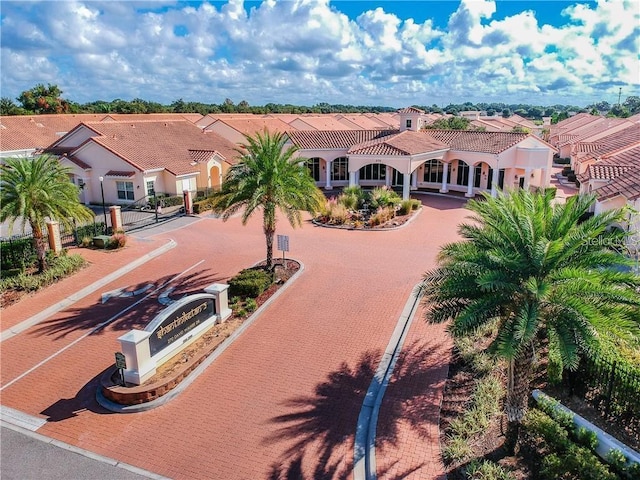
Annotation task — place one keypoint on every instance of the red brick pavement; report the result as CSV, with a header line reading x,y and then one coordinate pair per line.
x,y
283,400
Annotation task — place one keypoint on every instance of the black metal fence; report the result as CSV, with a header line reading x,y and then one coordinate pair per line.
x,y
18,251
151,210
610,387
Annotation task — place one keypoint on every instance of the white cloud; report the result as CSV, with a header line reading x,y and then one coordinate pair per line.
x,y
305,51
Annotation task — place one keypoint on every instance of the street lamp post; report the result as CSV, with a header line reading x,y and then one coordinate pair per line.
x,y
104,209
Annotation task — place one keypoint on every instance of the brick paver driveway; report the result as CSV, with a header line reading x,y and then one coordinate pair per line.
x,y
283,400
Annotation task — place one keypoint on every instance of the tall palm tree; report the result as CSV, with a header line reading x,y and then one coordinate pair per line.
x,y
267,177
543,274
35,190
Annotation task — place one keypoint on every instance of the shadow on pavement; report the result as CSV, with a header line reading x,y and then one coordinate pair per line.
x,y
85,400
90,318
323,425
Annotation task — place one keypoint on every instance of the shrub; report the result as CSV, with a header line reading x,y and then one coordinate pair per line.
x,y
576,462
539,423
17,253
90,230
250,283
202,206
571,177
381,216
586,438
350,202
552,408
59,267
486,470
382,197
616,459
117,240
457,449
566,171
85,242
336,213
633,471
251,304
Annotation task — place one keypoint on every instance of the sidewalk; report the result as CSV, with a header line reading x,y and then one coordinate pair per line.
x,y
102,264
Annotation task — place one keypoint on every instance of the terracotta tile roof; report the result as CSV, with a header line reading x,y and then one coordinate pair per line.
x,y
613,143
410,110
362,122
156,145
341,139
601,171
24,132
471,141
403,143
593,130
199,156
120,174
324,122
78,162
253,125
627,185
387,120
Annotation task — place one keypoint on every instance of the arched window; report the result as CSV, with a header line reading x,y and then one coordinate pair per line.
x,y
373,171
340,169
314,168
433,171
463,173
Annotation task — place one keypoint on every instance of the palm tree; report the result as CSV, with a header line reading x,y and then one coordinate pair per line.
x,y
268,177
34,190
547,278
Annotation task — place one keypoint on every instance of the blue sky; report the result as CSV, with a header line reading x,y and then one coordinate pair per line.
x,y
392,53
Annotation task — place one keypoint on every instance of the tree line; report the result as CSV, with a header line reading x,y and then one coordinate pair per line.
x,y
48,99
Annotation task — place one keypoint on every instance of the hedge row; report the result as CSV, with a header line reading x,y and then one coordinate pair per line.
x,y
59,267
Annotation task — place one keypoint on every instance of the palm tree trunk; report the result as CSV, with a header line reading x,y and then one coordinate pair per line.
x,y
519,383
269,228
40,246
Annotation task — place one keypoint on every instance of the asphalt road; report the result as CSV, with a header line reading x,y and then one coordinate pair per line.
x,y
25,455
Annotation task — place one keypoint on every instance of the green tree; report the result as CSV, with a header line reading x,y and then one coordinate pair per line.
x,y
450,123
34,190
544,275
267,177
41,99
9,107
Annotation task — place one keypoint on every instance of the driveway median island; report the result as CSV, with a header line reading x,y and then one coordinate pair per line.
x,y
174,371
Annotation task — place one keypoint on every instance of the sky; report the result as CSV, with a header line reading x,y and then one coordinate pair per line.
x,y
393,53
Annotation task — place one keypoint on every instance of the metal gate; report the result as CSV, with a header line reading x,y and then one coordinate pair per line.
x,y
151,210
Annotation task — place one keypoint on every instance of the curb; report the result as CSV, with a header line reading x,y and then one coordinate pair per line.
x,y
364,448
39,317
142,407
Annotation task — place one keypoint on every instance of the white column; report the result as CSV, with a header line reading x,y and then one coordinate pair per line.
x,y
414,180
327,184
387,177
469,193
544,178
406,184
494,184
527,178
445,178
352,179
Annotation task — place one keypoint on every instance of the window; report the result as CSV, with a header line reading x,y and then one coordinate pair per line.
x,y
463,173
151,191
477,172
433,171
125,190
408,124
340,169
314,168
373,171
490,178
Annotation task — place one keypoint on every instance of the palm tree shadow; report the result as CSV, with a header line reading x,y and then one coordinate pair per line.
x,y
91,318
324,424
